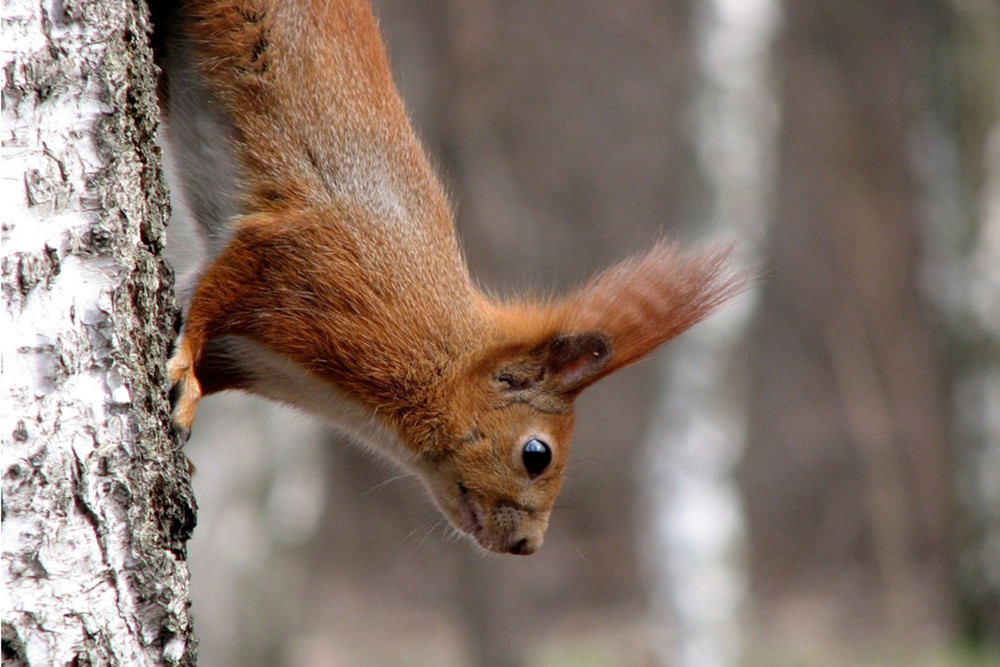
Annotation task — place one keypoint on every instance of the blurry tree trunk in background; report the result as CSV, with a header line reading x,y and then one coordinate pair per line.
x,y
966,268
97,505
977,403
697,531
847,474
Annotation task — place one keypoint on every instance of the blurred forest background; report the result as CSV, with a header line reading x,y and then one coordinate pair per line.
x,y
810,478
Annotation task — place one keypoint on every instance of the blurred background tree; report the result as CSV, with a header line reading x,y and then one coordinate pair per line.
x,y
854,147
847,474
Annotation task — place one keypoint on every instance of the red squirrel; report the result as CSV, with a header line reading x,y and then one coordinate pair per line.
x,y
336,283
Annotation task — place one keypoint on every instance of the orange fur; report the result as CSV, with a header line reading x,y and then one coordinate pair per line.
x,y
341,288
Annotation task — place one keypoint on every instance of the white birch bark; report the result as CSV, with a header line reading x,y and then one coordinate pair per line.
x,y
97,504
695,549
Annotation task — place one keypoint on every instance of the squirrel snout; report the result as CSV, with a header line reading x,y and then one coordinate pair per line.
x,y
525,546
502,528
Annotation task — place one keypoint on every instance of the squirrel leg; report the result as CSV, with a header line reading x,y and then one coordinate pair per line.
x,y
185,390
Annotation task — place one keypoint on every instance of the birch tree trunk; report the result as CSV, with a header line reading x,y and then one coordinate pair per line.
x,y
97,503
697,538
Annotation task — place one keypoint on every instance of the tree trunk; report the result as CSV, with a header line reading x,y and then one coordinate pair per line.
x,y
97,503
697,532
965,263
847,472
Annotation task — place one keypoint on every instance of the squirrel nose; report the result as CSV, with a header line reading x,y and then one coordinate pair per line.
x,y
524,547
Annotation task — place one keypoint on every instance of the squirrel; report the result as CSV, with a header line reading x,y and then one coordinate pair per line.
x,y
336,284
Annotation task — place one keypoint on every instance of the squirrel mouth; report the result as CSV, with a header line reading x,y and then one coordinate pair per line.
x,y
471,516
471,521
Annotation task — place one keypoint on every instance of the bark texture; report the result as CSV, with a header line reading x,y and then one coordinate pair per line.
x,y
97,503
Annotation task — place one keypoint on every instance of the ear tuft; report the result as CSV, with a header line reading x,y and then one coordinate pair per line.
x,y
562,346
645,301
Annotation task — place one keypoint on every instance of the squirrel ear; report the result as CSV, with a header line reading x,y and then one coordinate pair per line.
x,y
616,318
562,365
573,361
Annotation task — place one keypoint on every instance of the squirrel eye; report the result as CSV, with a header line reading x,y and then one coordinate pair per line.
x,y
536,456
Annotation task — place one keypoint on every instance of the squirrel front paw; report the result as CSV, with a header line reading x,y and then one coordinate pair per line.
x,y
185,390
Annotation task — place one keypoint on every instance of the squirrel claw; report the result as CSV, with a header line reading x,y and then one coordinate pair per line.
x,y
183,434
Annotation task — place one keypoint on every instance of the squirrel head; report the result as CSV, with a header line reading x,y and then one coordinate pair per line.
x,y
497,466
498,472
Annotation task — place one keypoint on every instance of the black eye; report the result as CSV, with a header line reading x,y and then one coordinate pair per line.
x,y
536,456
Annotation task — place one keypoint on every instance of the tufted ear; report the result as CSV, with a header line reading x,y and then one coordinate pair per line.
x,y
647,300
559,368
556,349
